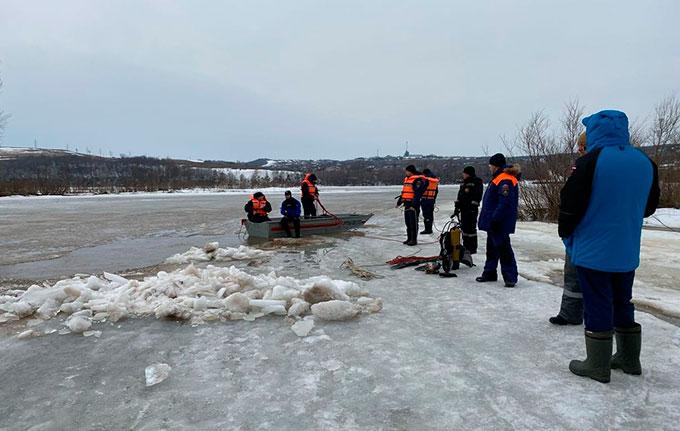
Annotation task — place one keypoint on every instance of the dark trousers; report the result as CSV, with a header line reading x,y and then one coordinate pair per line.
x,y
411,214
606,299
427,206
571,308
498,248
308,207
468,224
257,218
296,224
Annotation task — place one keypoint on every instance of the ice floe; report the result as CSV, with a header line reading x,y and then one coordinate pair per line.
x,y
192,293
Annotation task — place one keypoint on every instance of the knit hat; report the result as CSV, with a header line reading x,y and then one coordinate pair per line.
x,y
470,170
428,173
412,169
498,160
287,193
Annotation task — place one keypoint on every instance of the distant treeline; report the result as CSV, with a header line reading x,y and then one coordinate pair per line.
x,y
60,173
72,173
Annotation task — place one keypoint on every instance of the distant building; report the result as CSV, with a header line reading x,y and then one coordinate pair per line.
x,y
406,153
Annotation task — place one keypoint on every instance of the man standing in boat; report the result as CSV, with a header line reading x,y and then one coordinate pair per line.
x,y
258,208
310,194
290,210
429,200
415,185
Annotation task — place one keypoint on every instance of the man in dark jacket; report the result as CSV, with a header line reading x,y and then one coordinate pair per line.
x,y
310,194
412,191
429,200
467,207
290,210
498,218
571,307
613,187
258,208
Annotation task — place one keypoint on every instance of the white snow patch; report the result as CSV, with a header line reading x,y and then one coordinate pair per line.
x,y
664,218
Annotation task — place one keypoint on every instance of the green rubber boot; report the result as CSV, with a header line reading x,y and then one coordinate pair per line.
x,y
599,353
628,344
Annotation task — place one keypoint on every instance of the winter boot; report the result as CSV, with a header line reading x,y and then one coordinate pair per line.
x,y
487,276
561,321
598,352
628,344
428,227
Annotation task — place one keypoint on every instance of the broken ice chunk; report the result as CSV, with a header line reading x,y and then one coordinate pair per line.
x,y
302,328
78,324
26,334
156,373
334,310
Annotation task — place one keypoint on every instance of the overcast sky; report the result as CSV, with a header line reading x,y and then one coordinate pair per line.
x,y
321,79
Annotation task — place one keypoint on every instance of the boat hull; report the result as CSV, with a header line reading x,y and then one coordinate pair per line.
x,y
322,225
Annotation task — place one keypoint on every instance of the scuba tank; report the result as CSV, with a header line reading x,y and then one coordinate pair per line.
x,y
452,252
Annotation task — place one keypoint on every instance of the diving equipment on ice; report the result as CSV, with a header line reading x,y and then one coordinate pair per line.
x,y
452,253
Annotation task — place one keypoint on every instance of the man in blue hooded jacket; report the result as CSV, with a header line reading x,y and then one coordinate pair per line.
x,y
498,218
612,188
290,210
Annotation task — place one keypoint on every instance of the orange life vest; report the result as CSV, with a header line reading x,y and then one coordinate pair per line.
x,y
503,177
258,206
432,186
407,192
311,188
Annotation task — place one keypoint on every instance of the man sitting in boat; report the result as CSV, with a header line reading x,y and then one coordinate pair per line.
x,y
258,208
310,193
290,210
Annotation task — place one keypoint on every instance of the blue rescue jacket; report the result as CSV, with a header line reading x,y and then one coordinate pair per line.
x,y
500,202
291,207
606,197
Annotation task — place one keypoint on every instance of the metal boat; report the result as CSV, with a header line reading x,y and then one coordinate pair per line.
x,y
321,225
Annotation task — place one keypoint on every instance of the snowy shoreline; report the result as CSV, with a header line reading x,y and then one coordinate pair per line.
x,y
212,192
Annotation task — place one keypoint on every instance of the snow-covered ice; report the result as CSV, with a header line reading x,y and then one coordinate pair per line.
x,y
442,354
665,218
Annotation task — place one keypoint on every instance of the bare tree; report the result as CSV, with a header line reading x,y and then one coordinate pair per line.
x,y
664,139
550,155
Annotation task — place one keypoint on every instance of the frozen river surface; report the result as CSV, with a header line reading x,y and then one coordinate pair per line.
x,y
442,354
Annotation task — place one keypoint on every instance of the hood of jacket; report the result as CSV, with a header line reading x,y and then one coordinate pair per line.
x,y
606,129
514,170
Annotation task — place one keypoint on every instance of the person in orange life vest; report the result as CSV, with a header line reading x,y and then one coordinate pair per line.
x,y
258,208
310,193
498,218
415,185
429,199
